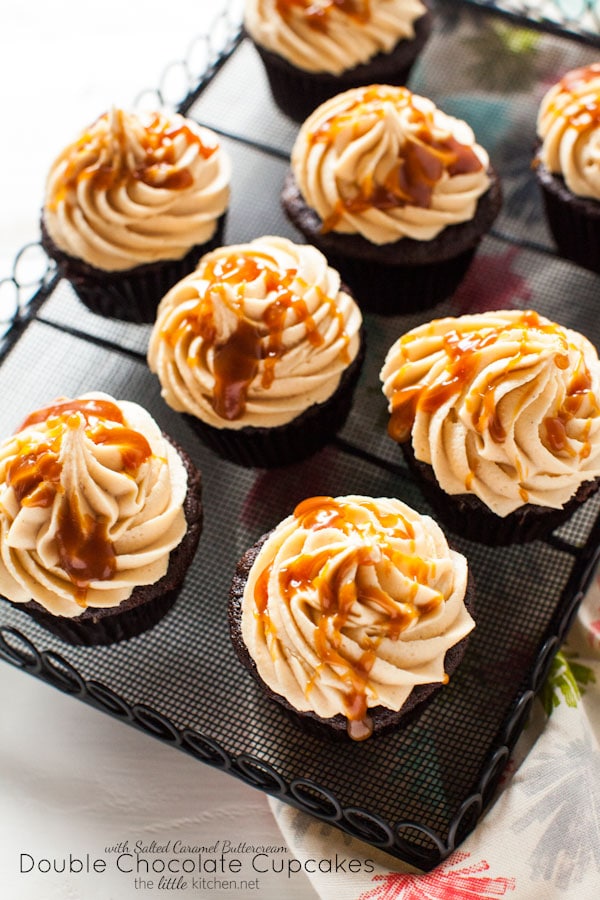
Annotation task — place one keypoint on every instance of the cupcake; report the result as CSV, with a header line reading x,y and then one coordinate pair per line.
x,y
100,516
396,193
130,207
313,50
351,613
567,164
498,416
260,348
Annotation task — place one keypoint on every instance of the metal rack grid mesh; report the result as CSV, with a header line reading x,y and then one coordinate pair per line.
x,y
418,791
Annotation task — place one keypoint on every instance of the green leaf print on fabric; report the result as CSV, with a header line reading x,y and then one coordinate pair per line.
x,y
504,58
566,682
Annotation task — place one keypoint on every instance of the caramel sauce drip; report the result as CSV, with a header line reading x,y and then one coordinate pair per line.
x,y
318,12
581,117
158,140
237,359
89,408
556,426
339,589
84,548
422,160
463,354
34,476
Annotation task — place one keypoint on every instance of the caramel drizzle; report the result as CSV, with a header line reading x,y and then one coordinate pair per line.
x,y
237,359
464,355
85,551
422,160
318,12
339,589
159,142
581,115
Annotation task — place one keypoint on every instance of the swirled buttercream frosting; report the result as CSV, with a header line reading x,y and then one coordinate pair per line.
x,y
503,405
135,188
350,603
91,504
569,128
330,35
257,334
386,164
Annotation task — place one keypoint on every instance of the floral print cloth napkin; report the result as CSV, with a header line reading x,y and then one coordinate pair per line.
x,y
539,840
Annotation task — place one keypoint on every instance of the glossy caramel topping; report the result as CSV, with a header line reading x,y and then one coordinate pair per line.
x,y
582,116
422,160
339,586
317,12
556,426
89,408
158,140
84,548
463,361
238,356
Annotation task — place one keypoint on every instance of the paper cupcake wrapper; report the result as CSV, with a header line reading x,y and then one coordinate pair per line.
x,y
335,728
148,603
132,295
573,221
391,290
285,444
297,92
468,517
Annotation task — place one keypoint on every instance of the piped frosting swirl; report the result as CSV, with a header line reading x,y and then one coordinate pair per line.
x,y
257,334
91,504
569,128
504,405
350,603
387,164
330,35
135,188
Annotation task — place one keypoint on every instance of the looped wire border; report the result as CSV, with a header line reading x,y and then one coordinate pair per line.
x,y
582,24
220,40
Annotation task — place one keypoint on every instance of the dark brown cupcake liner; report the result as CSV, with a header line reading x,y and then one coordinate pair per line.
x,y
335,728
290,443
468,517
298,92
573,221
131,295
404,276
147,603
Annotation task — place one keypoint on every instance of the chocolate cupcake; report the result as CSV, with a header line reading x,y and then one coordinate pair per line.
x,y
100,517
313,50
498,415
567,165
351,613
131,206
260,348
396,193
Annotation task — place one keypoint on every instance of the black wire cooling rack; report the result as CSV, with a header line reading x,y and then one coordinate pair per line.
x,y
418,792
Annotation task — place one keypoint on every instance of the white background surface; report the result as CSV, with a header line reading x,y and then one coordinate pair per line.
x,y
73,780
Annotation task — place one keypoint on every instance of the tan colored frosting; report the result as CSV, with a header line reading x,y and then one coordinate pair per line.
x,y
504,405
330,35
136,188
569,127
91,504
387,164
257,334
352,602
